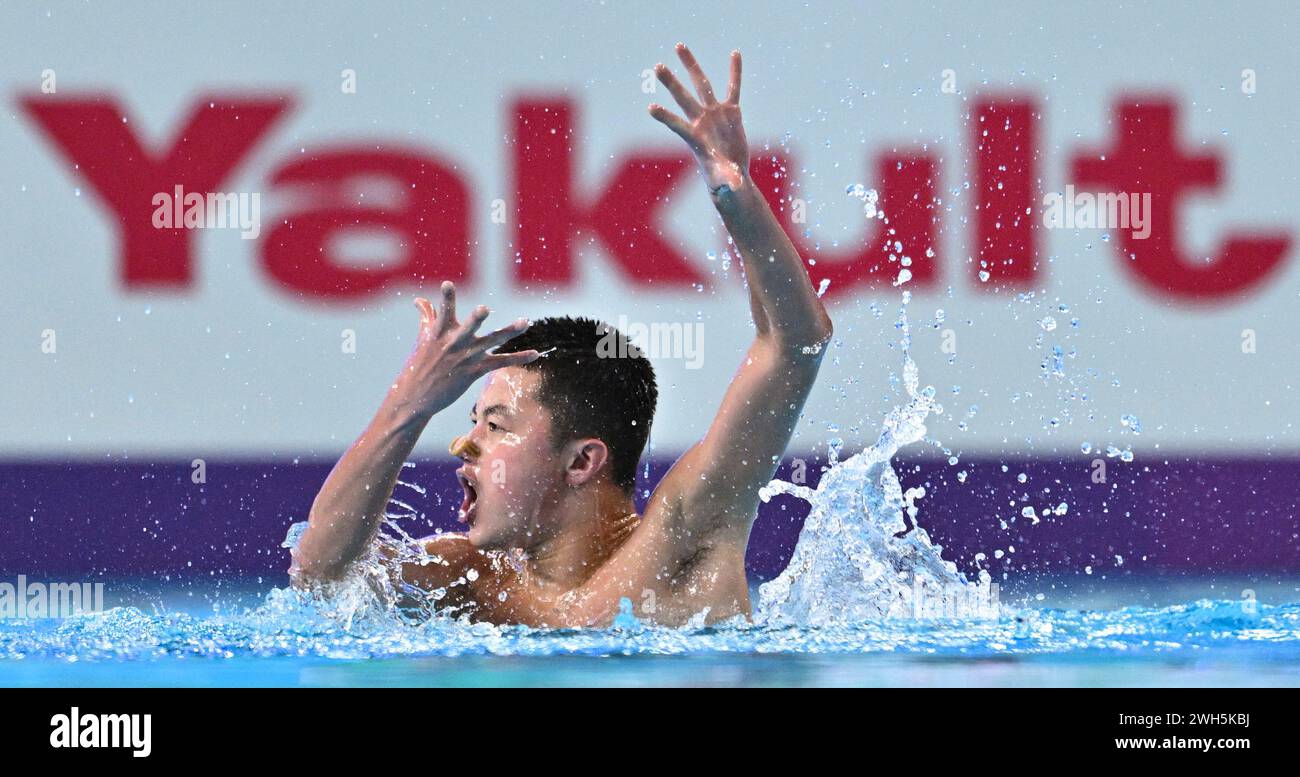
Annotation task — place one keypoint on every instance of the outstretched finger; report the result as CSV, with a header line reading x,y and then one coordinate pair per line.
x,y
475,320
733,89
701,81
672,121
427,316
503,335
447,307
684,99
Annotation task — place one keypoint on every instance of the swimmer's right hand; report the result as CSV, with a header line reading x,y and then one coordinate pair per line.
x,y
449,355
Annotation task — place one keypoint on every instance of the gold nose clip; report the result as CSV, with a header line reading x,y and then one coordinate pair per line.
x,y
463,446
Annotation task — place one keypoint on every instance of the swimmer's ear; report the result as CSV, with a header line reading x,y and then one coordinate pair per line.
x,y
584,459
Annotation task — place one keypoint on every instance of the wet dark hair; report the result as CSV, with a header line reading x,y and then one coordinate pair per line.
x,y
595,383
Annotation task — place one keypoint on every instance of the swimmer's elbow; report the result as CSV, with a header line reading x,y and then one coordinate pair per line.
x,y
307,569
305,576
823,330
322,554
806,344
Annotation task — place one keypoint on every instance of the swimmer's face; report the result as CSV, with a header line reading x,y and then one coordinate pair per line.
x,y
511,470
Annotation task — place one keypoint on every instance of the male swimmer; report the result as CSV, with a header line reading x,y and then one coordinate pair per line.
x,y
554,539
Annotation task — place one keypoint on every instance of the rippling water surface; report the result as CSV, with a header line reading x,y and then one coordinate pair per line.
x,y
287,639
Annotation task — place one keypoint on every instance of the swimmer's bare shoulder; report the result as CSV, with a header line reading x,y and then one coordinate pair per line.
x,y
475,583
452,566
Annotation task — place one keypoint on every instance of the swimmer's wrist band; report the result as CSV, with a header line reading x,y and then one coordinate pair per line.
x,y
725,189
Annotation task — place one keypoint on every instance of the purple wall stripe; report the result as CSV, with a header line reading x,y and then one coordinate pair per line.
x,y
146,519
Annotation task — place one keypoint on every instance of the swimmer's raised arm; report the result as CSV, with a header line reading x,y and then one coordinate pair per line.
x,y
720,476
448,357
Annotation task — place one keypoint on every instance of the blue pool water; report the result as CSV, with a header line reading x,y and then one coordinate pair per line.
x,y
284,640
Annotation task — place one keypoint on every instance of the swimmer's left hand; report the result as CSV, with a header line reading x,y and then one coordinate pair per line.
x,y
712,129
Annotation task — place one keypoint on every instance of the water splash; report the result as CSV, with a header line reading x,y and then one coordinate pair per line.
x,y
857,557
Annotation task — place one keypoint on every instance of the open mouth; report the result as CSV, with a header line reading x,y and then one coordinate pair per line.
x,y
467,506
